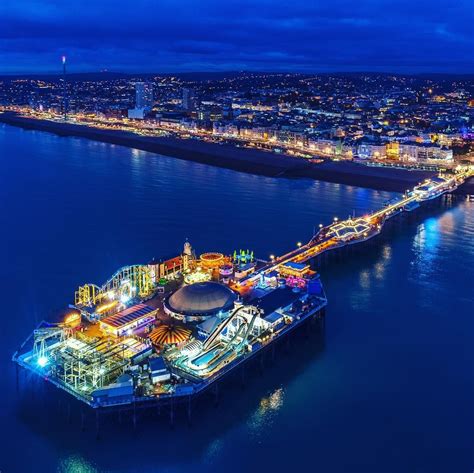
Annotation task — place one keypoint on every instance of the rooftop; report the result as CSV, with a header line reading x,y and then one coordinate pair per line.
x,y
201,298
127,315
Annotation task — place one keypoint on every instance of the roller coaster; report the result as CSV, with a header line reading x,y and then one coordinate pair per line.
x,y
126,283
218,351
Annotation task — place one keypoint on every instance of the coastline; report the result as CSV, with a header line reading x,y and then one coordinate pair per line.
x,y
238,159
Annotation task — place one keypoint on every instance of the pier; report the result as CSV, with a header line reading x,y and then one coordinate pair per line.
x,y
357,230
163,333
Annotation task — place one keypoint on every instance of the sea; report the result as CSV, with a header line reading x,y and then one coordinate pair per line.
x,y
386,386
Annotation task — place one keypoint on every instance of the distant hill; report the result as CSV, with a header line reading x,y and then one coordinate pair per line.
x,y
203,75
97,76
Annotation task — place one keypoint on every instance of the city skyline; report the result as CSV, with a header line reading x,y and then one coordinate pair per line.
x,y
384,36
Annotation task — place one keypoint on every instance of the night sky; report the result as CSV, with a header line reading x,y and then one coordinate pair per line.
x,y
270,35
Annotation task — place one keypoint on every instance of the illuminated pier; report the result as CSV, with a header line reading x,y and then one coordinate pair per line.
x,y
171,329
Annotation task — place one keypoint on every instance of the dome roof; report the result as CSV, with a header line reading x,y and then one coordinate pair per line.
x,y
201,298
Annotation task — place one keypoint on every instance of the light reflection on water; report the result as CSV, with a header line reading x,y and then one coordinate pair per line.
x,y
368,277
264,415
76,464
212,451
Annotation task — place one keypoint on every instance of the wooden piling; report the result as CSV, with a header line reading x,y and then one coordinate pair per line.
x,y
97,423
189,411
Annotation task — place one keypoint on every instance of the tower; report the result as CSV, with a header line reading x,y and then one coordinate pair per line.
x,y
143,95
188,254
189,101
63,59
227,113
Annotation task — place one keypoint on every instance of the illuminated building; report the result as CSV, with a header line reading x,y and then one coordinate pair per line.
x,y
171,267
392,150
295,269
189,100
408,152
371,151
143,100
144,95
198,301
127,320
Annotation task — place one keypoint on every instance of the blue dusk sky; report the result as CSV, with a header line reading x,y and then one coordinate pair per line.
x,y
269,35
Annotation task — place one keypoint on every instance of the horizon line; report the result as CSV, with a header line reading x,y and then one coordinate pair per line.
x,y
235,71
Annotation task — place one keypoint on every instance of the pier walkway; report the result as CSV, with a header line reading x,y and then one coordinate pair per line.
x,y
358,230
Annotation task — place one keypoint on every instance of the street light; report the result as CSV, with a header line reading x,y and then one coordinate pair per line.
x,y
336,219
298,244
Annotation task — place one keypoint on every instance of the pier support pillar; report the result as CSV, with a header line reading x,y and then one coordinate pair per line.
x,y
189,411
97,424
82,421
17,378
242,377
171,413
306,328
134,416
216,395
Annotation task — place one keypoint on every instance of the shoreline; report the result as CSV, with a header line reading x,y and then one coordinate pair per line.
x,y
238,159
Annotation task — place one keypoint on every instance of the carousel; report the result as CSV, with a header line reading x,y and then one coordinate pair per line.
x,y
169,335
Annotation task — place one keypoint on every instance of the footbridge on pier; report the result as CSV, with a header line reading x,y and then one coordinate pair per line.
x,y
357,230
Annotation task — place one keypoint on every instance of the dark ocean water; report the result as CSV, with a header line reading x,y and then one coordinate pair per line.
x,y
388,387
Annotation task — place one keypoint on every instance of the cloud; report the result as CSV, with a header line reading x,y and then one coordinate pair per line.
x,y
166,35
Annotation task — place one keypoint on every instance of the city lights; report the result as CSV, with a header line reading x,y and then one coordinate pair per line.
x,y
163,107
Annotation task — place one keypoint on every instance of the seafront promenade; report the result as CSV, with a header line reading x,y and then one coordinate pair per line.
x,y
251,161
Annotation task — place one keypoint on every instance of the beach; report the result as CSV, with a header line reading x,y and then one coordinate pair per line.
x,y
239,159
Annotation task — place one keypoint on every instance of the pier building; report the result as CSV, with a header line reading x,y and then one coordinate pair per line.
x,y
198,301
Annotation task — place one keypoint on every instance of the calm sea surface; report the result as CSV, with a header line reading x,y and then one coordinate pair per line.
x,y
389,386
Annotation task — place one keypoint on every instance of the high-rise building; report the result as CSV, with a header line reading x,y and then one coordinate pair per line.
x,y
143,95
189,100
227,112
